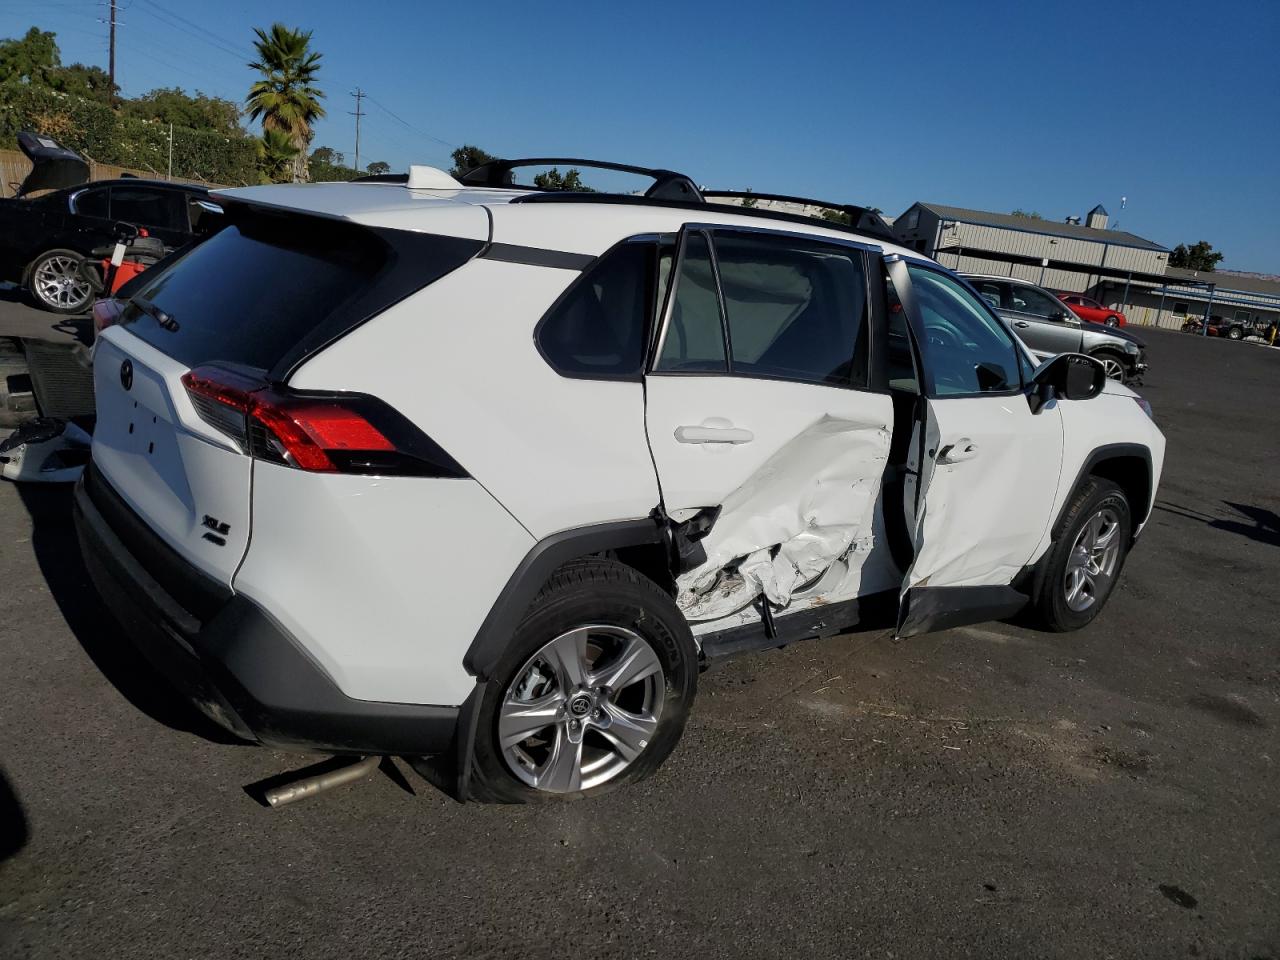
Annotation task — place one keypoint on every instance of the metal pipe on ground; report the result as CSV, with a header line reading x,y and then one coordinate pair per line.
x,y
321,783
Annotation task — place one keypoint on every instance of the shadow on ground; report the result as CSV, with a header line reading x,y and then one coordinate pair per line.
x,y
57,551
1257,523
13,822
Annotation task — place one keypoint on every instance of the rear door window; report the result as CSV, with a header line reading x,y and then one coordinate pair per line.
x,y
694,338
161,209
92,203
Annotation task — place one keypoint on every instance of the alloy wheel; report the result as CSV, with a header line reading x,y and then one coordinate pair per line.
x,y
1114,369
1092,563
581,709
57,283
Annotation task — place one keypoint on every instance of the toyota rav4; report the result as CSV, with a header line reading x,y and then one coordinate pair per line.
x,y
485,474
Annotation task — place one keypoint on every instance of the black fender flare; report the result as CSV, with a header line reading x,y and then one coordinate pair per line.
x,y
490,641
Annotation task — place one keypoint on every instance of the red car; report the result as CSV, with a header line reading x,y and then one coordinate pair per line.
x,y
1092,310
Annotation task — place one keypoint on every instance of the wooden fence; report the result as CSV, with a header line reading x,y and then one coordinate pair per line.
x,y
14,167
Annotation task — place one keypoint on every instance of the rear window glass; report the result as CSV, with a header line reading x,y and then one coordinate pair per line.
x,y
254,291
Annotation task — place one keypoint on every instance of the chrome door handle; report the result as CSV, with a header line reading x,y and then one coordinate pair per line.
x,y
958,452
713,434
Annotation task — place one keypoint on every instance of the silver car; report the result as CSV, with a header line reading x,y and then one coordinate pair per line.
x,y
1044,324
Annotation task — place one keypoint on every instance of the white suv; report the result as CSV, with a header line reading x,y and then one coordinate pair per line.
x,y
469,471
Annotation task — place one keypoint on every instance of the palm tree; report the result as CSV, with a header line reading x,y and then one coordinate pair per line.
x,y
286,97
276,156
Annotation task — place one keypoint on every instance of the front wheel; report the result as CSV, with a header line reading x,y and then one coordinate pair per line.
x,y
1235,333
593,692
1081,568
1112,364
56,283
1113,321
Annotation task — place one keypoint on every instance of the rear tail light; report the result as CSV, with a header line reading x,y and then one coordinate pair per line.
x,y
317,432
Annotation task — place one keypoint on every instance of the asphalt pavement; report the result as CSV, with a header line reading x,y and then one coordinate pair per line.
x,y
984,792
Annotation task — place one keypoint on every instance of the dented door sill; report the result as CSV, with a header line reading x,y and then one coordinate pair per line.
x,y
875,611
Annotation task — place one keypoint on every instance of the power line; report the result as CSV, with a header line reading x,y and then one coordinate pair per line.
x,y
401,120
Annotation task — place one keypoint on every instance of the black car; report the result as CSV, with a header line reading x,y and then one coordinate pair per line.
x,y
44,240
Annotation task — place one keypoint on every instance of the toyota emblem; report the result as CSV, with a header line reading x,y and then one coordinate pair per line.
x,y
126,374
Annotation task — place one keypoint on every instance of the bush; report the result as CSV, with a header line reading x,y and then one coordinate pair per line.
x,y
98,132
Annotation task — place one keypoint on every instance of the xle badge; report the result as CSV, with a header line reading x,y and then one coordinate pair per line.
x,y
216,530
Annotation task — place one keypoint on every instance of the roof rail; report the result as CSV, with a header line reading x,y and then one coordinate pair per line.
x,y
667,184
862,219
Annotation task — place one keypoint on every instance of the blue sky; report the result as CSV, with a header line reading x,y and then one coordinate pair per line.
x,y
1052,107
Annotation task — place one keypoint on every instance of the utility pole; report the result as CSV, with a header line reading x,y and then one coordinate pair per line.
x,y
111,57
170,176
357,113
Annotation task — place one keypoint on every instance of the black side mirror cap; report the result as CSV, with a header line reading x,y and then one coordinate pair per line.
x,y
1068,376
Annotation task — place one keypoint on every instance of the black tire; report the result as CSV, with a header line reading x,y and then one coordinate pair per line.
x,y
589,591
1050,608
1113,321
44,301
1114,362
1235,333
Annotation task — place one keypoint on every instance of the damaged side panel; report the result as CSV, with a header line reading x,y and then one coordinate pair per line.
x,y
804,527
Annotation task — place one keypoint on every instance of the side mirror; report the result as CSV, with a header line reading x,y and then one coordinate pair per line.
x,y
1070,376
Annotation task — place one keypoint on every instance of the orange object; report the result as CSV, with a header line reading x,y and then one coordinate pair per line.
x,y
124,273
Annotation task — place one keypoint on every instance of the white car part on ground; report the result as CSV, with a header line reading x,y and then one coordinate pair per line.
x,y
45,451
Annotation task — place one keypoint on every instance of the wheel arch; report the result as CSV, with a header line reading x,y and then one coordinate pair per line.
x,y
639,544
1128,465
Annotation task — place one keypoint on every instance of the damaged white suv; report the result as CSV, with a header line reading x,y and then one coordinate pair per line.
x,y
470,471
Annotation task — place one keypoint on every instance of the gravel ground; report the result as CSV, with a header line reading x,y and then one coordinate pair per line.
x,y
988,791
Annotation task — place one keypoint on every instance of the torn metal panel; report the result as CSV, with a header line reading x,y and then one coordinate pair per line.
x,y
808,506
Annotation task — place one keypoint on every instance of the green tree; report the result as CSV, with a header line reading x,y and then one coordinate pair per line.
x,y
174,105
287,98
379,166
1026,214
277,156
31,59
749,202
35,60
837,216
327,155
468,157
570,181
1198,256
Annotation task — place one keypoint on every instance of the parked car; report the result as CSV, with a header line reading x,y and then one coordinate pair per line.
x,y
453,469
1222,327
1045,324
45,239
1091,310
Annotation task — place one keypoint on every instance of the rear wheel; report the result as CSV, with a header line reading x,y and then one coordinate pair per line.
x,y
1112,364
1081,568
593,692
1113,321
56,283
1235,333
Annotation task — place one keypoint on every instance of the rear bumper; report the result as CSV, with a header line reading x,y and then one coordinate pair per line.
x,y
226,654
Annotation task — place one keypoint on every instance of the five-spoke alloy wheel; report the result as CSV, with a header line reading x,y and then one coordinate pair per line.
x,y
581,709
592,692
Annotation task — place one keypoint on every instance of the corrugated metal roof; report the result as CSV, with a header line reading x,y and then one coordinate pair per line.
x,y
1049,228
1225,281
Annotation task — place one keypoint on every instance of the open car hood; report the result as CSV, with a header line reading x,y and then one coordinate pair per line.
x,y
53,165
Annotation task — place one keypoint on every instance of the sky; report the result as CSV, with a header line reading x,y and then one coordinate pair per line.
x,y
1166,113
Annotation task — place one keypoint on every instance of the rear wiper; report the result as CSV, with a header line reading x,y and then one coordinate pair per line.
x,y
165,320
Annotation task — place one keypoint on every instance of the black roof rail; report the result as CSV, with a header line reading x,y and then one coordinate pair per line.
x,y
554,196
667,184
862,219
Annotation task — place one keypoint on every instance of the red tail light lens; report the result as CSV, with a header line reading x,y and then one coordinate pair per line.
x,y
321,433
